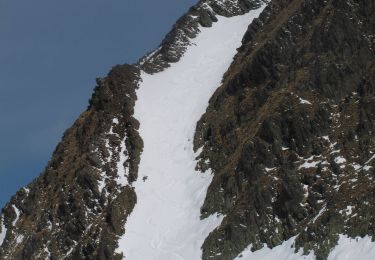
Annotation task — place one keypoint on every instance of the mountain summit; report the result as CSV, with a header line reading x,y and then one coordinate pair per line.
x,y
247,134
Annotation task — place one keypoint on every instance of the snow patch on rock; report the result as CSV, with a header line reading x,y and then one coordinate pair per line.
x,y
3,231
122,169
17,211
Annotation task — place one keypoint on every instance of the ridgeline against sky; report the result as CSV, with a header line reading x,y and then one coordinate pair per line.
x,y
50,54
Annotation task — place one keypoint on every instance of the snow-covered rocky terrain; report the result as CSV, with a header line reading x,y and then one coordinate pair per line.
x,y
248,134
165,223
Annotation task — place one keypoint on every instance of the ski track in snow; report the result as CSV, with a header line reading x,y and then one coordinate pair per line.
x,y
165,223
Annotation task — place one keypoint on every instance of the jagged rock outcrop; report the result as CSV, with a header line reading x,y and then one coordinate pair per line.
x,y
289,137
290,133
187,27
78,206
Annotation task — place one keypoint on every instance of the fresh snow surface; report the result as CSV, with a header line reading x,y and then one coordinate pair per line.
x,y
165,223
285,251
347,249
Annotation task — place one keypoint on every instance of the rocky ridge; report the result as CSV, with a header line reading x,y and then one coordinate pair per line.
x,y
204,13
77,208
288,135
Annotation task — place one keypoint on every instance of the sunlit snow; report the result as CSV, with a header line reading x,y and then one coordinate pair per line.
x,y
284,251
347,249
165,223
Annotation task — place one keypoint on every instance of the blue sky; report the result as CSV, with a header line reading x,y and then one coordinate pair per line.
x,y
51,51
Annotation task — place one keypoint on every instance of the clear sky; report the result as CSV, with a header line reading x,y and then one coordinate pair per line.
x,y
51,51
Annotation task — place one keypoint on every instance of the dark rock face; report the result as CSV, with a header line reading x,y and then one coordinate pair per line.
x,y
64,213
290,133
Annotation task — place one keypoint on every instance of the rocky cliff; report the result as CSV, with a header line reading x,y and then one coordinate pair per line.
x,y
290,133
288,137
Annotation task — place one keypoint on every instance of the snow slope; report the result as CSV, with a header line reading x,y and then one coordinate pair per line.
x,y
347,249
165,223
358,248
285,251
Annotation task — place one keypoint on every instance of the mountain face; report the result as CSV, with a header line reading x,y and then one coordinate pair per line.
x,y
247,134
